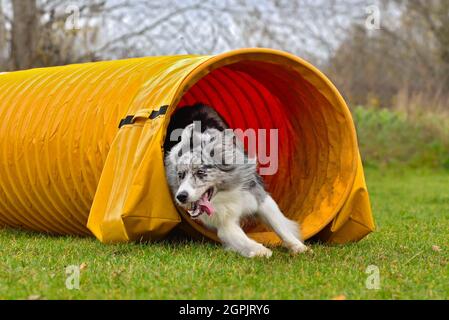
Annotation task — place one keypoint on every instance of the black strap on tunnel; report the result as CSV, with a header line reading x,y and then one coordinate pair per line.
x,y
153,115
162,110
127,120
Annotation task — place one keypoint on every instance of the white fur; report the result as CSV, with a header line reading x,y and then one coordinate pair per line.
x,y
231,206
286,229
186,186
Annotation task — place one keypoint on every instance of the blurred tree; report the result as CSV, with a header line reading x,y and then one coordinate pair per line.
x,y
125,28
24,35
3,40
433,17
408,58
33,33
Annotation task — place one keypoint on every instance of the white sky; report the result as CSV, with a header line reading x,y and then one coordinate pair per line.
x,y
311,29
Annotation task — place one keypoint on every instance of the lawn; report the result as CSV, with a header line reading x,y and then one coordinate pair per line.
x,y
410,249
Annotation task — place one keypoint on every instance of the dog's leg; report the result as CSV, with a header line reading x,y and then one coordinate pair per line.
x,y
286,229
235,239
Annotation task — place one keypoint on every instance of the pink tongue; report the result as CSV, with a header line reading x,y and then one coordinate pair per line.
x,y
205,205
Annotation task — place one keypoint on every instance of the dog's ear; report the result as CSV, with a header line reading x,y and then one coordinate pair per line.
x,y
191,135
187,133
174,154
170,171
183,146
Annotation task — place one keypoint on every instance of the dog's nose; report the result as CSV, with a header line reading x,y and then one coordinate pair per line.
x,y
182,196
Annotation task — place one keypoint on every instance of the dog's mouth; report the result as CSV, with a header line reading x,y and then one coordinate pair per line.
x,y
203,205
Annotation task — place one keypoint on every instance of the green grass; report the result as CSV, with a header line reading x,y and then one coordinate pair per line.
x,y
412,215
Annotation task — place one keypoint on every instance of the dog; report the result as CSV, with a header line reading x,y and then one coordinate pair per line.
x,y
215,181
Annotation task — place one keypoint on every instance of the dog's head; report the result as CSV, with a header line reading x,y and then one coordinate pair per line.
x,y
204,164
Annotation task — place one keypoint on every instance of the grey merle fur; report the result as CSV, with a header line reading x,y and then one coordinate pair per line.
x,y
221,168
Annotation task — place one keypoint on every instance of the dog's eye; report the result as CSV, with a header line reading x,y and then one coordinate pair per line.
x,y
201,173
181,175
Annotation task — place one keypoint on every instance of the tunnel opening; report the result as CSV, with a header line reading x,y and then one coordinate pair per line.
x,y
316,143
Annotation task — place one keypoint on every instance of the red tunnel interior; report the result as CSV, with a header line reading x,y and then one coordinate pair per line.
x,y
312,134
244,103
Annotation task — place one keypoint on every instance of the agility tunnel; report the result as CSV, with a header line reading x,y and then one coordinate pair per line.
x,y
81,146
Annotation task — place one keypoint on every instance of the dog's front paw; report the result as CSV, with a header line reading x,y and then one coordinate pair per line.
x,y
260,252
298,248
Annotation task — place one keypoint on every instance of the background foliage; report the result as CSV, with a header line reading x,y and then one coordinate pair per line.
x,y
393,70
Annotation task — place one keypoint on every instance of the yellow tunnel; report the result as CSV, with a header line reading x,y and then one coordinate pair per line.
x,y
81,145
